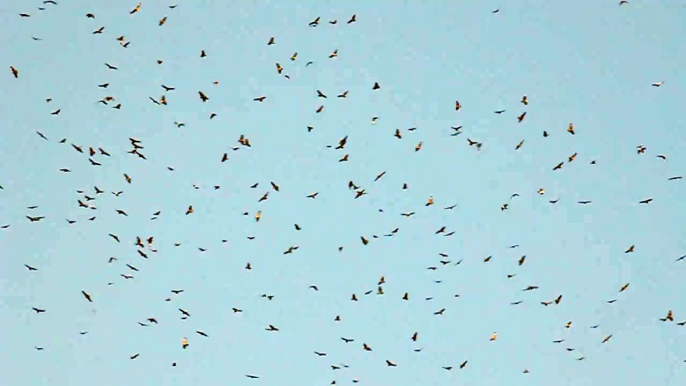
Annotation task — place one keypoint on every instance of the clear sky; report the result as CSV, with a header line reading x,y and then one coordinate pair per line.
x,y
588,62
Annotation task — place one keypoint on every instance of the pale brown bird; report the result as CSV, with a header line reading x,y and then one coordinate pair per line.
x,y
162,21
570,129
669,317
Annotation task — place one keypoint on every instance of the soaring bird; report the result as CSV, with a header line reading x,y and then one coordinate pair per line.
x,y
136,9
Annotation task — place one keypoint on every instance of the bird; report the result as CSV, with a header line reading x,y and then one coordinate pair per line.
x,y
135,9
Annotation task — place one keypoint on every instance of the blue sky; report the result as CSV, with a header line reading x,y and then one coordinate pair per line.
x,y
587,62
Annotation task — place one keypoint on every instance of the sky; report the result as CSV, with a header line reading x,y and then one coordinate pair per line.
x,y
590,63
